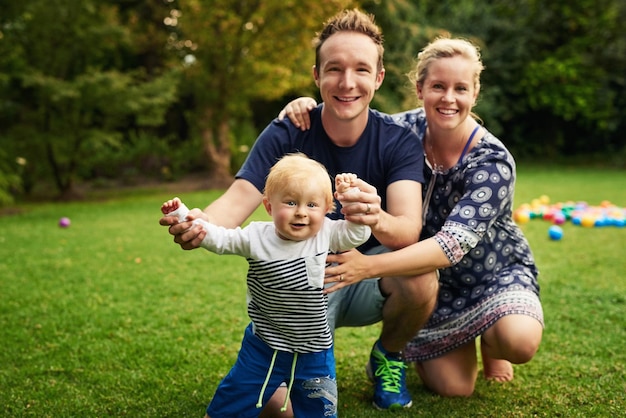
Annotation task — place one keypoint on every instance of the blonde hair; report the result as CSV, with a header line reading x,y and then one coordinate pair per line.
x,y
446,48
295,172
350,21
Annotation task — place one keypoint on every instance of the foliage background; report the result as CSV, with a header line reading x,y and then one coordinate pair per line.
x,y
120,91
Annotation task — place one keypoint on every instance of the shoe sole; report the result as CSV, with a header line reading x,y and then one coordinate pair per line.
x,y
394,407
369,373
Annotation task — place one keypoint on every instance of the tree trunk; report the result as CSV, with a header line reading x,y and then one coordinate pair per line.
x,y
216,148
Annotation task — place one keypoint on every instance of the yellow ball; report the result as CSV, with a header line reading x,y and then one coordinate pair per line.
x,y
521,216
588,221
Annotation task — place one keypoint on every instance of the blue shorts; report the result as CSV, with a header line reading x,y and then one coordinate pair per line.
x,y
314,390
357,305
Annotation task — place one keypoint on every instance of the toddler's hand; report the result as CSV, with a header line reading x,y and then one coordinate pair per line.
x,y
344,183
175,208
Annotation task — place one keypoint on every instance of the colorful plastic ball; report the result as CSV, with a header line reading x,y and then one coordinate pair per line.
x,y
559,218
601,222
588,221
521,216
555,233
64,222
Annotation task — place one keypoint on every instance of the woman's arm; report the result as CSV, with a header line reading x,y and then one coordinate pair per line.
x,y
298,111
416,259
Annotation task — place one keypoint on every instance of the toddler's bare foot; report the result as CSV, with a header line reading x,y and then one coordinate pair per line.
x,y
497,369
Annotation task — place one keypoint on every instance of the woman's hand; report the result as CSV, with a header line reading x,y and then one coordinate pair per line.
x,y
298,112
346,268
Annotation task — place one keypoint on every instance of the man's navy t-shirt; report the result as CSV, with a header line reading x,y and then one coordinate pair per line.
x,y
385,153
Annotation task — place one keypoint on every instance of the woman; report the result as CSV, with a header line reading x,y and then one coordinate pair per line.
x,y
487,274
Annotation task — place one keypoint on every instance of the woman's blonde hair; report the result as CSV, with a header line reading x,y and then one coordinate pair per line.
x,y
295,172
446,48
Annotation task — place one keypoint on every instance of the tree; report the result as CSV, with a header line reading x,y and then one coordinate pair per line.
x,y
240,51
555,78
69,88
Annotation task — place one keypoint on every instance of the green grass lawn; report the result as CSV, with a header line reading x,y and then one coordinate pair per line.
x,y
109,318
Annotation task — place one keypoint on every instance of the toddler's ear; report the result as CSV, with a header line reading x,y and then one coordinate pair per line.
x,y
268,205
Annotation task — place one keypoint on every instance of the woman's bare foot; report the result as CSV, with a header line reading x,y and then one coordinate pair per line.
x,y
497,369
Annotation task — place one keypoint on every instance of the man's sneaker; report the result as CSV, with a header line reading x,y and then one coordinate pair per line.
x,y
389,377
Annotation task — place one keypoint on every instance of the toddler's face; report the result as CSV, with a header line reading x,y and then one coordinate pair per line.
x,y
298,213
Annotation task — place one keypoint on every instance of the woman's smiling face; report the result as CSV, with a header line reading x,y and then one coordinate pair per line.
x,y
448,92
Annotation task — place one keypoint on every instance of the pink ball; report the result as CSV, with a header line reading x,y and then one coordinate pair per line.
x,y
64,222
559,218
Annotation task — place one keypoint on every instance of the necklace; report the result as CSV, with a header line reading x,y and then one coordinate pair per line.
x,y
439,168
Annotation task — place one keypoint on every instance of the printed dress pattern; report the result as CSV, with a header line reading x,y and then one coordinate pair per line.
x,y
497,277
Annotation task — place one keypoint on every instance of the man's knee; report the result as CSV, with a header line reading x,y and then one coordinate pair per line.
x,y
417,290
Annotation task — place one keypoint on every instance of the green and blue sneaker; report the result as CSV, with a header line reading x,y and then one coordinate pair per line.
x,y
387,371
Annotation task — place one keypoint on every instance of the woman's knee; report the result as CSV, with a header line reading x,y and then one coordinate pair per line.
x,y
448,384
523,351
453,374
515,338
456,389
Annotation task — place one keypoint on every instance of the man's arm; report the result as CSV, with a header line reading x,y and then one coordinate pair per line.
x,y
236,205
401,225
229,210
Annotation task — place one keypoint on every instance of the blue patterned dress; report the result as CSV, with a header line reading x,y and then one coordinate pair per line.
x,y
468,209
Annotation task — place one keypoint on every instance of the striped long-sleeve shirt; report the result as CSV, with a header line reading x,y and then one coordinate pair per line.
x,y
286,278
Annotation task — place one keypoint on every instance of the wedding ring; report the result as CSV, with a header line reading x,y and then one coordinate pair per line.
x,y
341,277
368,208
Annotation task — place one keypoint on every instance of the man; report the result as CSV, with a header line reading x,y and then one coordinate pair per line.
x,y
347,136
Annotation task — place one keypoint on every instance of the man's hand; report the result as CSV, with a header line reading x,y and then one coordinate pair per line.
x,y
186,234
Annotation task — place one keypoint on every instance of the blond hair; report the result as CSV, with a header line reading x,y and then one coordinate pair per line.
x,y
350,21
295,172
446,48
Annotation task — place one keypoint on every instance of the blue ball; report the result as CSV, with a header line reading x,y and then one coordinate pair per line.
x,y
555,233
